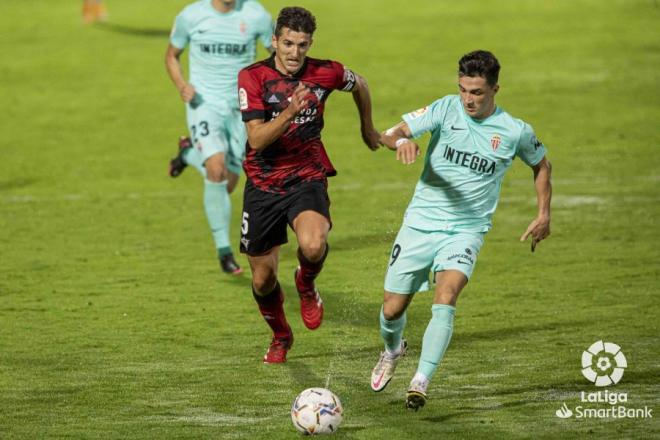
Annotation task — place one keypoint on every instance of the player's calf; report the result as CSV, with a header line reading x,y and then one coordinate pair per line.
x,y
272,310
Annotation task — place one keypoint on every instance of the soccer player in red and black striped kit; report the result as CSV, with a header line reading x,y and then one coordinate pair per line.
x,y
282,100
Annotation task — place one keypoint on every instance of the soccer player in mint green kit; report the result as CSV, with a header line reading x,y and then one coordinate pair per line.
x,y
473,143
221,36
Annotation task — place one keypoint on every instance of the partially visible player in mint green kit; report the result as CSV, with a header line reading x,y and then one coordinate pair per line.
x,y
473,143
221,36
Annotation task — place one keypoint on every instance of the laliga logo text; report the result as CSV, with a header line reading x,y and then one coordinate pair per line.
x,y
603,364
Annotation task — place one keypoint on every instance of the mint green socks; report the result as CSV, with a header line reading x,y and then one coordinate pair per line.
x,y
436,339
217,205
391,332
193,158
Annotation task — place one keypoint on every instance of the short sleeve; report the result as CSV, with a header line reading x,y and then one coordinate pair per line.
x,y
250,97
180,36
344,78
265,29
427,118
530,149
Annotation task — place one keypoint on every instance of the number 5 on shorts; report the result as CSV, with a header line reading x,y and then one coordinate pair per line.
x,y
244,224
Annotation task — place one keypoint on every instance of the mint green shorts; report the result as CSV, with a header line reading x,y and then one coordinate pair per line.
x,y
218,128
417,253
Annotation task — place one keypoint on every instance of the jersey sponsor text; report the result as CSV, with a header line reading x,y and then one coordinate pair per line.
x,y
469,160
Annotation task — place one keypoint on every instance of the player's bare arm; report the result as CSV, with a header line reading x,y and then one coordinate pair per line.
x,y
362,100
398,138
173,66
261,134
539,228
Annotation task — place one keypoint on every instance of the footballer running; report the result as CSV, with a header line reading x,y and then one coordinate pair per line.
x,y
221,36
473,143
282,100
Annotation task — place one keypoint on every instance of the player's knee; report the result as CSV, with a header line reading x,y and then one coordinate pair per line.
x,y
313,248
216,175
264,282
393,308
391,313
446,295
216,171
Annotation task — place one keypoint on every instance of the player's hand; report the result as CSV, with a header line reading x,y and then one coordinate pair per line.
x,y
407,151
187,92
298,101
371,138
538,229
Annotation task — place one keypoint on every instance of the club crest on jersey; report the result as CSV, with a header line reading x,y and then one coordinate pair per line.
x,y
419,112
495,142
243,27
319,93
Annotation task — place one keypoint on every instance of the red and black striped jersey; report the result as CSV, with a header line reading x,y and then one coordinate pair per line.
x,y
298,155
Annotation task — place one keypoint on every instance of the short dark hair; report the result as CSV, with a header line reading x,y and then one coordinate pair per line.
x,y
297,19
480,63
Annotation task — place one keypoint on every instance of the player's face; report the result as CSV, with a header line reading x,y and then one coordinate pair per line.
x,y
477,96
291,49
225,5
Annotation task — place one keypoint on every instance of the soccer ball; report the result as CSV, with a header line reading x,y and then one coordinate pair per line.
x,y
316,411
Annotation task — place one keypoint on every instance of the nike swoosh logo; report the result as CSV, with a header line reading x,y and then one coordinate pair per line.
x,y
457,128
463,262
380,379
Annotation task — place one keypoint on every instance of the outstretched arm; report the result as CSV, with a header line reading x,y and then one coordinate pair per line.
x,y
398,138
362,100
539,228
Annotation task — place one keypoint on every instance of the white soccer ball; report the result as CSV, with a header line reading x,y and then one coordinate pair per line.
x,y
316,411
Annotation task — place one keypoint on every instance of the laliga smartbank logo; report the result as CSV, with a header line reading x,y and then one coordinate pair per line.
x,y
603,364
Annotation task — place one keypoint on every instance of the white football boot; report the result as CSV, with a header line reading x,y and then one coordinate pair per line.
x,y
384,369
416,395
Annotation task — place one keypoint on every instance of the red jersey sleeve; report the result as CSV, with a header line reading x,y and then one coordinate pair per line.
x,y
344,78
250,94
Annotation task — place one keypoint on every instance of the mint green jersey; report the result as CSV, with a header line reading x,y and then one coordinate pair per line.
x,y
464,165
220,45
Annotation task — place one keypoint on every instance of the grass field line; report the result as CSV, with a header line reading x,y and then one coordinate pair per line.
x,y
209,417
559,200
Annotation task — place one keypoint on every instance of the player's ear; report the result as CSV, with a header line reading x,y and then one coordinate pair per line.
x,y
273,41
496,87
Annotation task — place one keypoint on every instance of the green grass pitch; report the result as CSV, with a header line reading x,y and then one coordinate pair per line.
x,y
116,323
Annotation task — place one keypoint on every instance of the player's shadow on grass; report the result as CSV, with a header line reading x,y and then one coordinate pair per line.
x,y
645,377
349,243
302,373
467,410
464,338
15,184
135,31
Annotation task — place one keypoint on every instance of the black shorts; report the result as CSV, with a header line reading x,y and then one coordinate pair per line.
x,y
266,215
